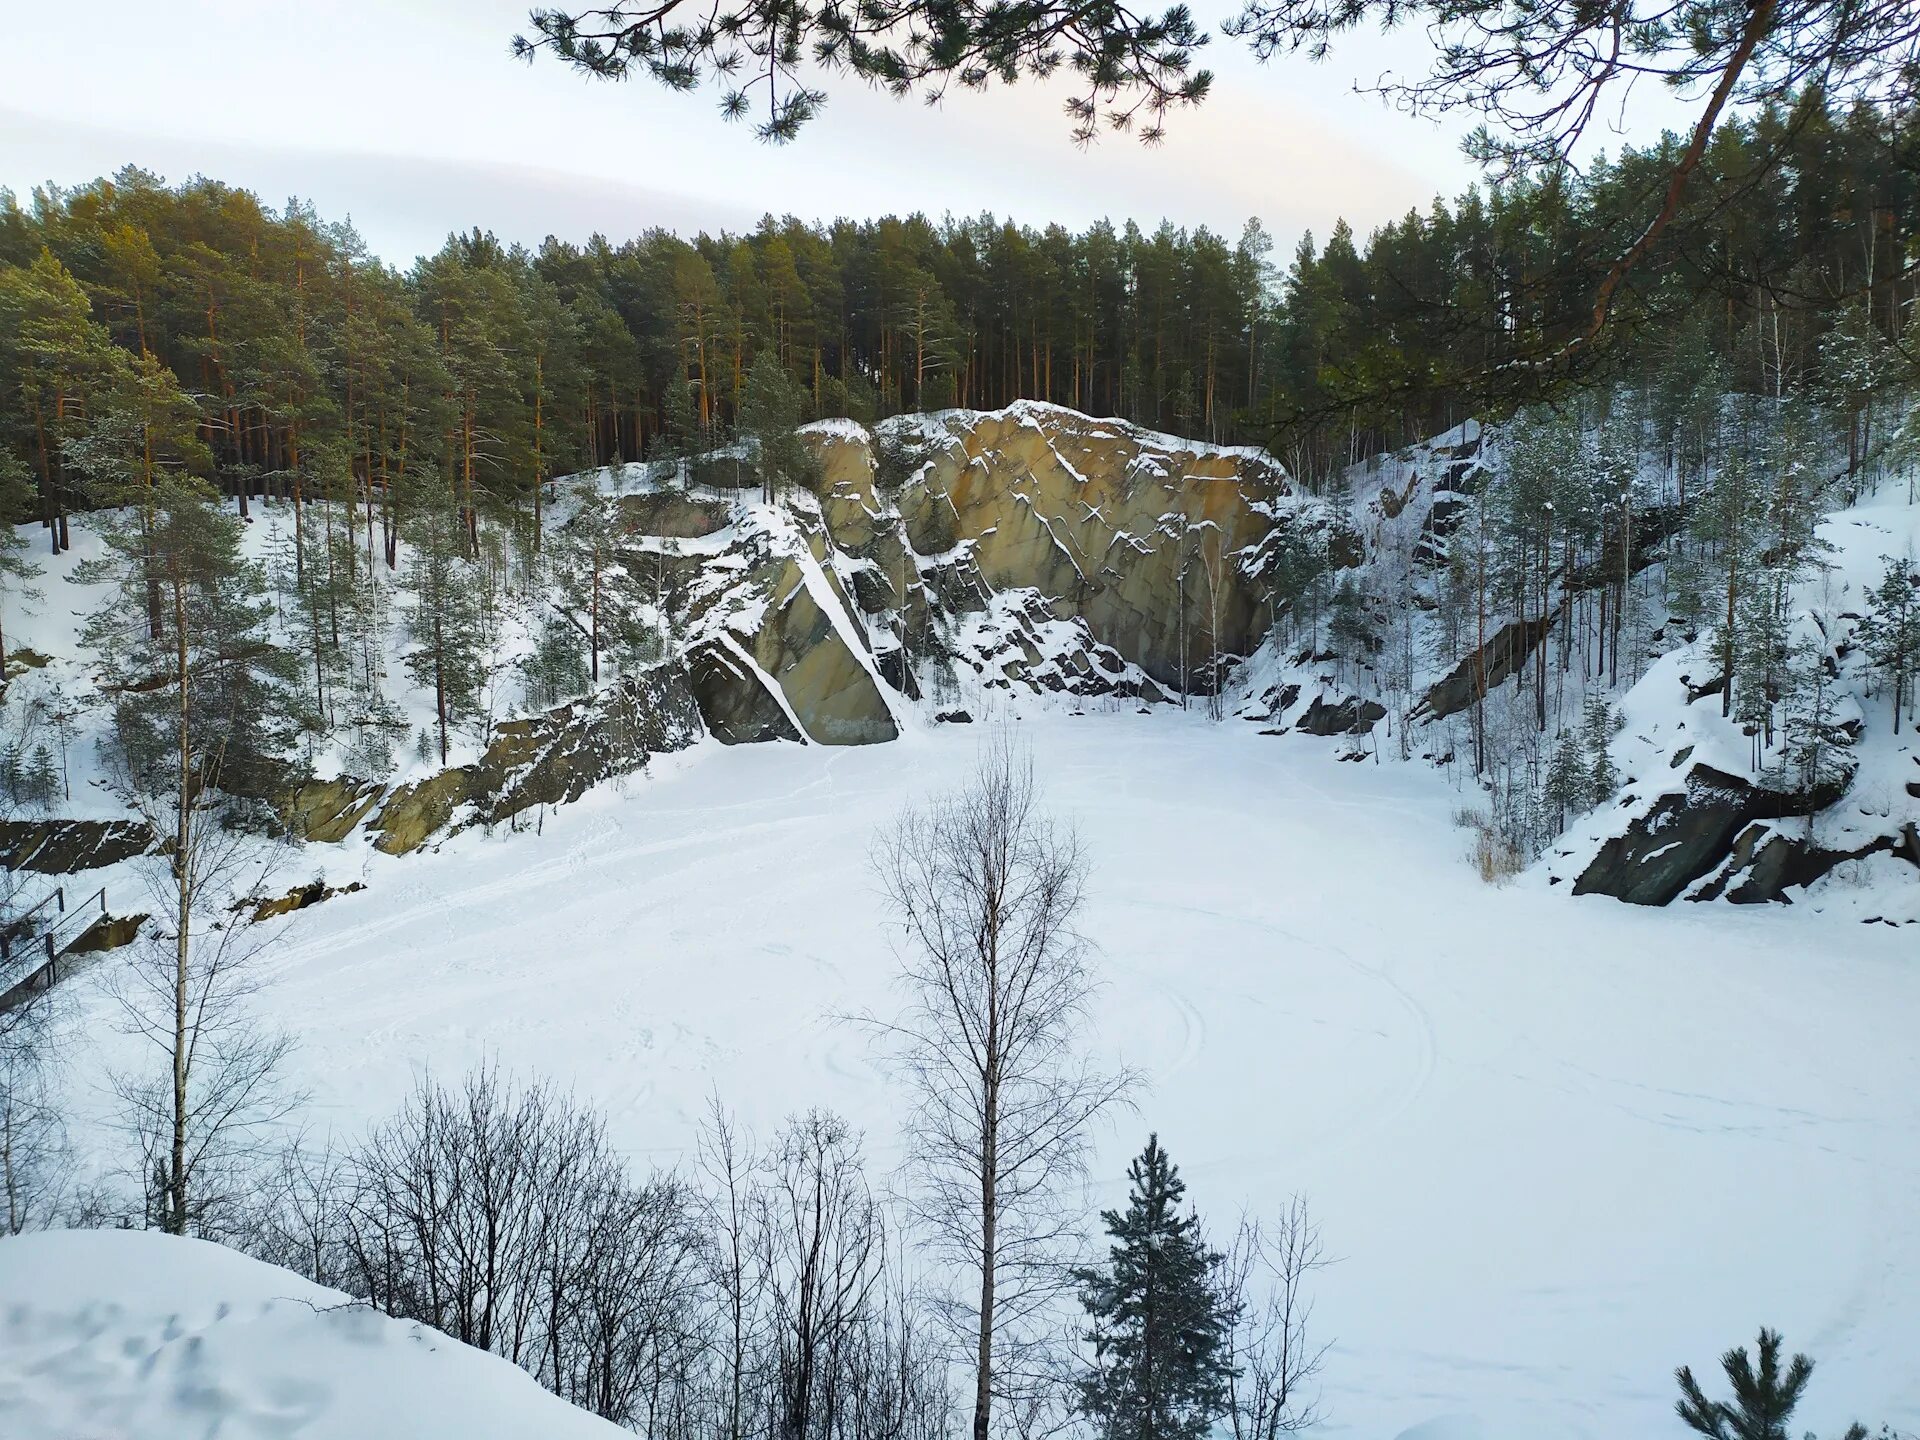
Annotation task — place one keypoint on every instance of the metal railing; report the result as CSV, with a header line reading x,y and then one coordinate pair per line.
x,y
46,971
21,926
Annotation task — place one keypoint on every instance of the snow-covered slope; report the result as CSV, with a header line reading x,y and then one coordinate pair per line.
x,y
1861,851
1560,1146
1697,808
106,1334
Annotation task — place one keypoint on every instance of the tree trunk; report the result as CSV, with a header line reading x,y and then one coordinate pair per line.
x,y
175,1220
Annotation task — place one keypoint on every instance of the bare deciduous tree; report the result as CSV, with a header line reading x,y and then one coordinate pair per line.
x,y
1274,1357
207,1118
772,1306
727,1160
824,1243
33,1144
986,889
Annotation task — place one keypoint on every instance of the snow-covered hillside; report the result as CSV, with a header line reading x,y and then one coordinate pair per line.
x,y
1560,1147
111,1333
1696,803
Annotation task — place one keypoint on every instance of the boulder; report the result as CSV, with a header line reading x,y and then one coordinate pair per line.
x,y
1689,832
1351,716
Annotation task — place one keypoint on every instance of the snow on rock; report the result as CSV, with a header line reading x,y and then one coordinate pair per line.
x,y
113,1335
1036,557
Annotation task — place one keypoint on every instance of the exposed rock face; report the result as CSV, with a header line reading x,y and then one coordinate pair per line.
x,y
1505,652
299,899
1768,859
679,517
66,847
819,665
1688,833
327,810
546,759
549,759
1039,548
1113,526
1351,716
1137,536
109,932
740,708
779,649
1035,547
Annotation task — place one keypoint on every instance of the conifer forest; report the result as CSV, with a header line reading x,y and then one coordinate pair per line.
x,y
893,826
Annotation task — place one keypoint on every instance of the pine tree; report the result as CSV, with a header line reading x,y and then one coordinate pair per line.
x,y
40,782
1598,725
599,596
771,410
678,439
1347,623
444,624
1569,783
1760,642
16,490
555,668
1727,520
1891,630
1161,1324
203,701
1764,1397
1813,744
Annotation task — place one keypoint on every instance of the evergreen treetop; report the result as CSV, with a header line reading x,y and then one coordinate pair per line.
x,y
1160,1322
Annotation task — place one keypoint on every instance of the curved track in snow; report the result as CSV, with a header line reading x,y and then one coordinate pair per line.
x,y
1561,1146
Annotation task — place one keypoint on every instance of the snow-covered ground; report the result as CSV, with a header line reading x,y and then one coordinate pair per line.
x,y
1561,1146
122,1335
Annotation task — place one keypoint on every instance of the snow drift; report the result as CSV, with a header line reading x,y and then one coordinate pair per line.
x,y
114,1333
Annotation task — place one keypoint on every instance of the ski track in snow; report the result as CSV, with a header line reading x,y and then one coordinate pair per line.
x,y
1560,1145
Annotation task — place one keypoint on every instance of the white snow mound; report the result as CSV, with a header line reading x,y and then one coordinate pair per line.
x,y
113,1334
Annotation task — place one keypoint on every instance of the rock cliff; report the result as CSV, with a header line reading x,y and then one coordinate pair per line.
x,y
1032,549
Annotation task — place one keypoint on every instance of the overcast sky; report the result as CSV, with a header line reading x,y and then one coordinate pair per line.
x,y
411,117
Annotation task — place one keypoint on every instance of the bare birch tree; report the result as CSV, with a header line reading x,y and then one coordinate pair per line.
x,y
186,990
34,1155
986,889
1274,1358
201,703
734,1259
825,1244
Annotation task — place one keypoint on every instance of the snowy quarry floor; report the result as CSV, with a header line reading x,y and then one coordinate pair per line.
x,y
1560,1146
